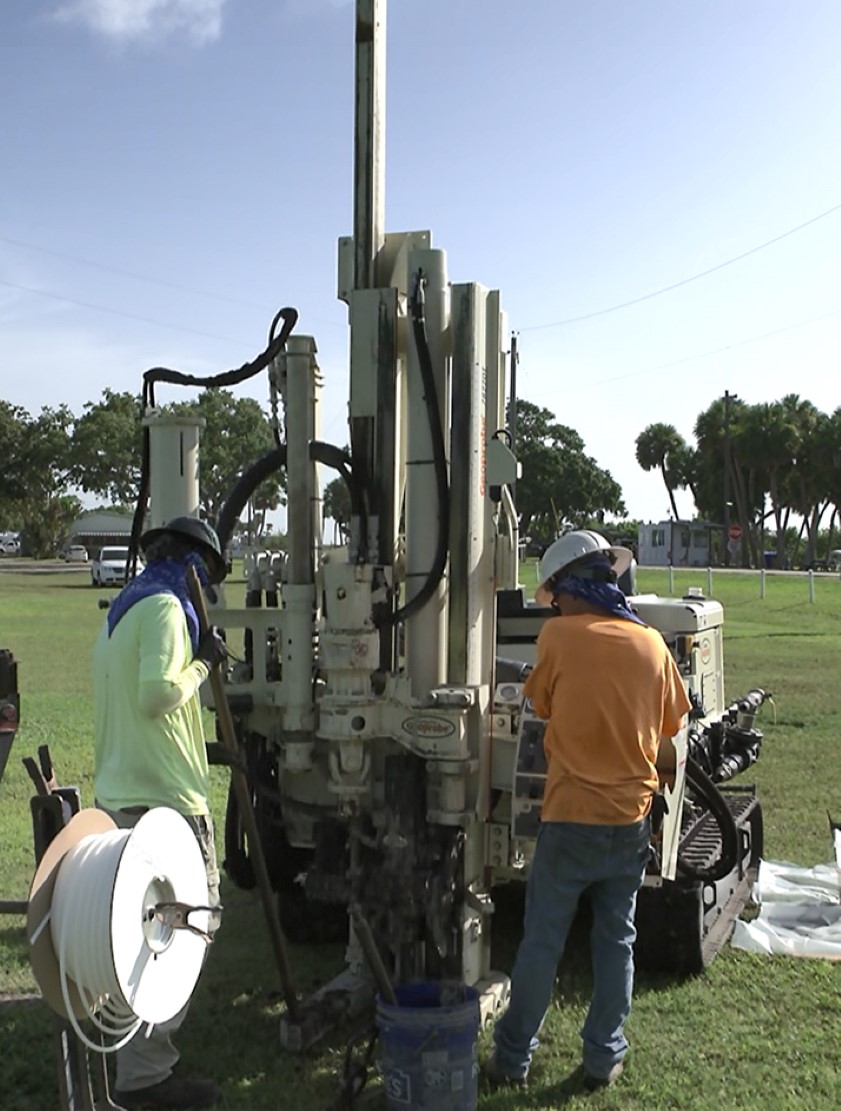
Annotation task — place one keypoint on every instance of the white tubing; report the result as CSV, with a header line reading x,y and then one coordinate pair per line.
x,y
80,922
112,936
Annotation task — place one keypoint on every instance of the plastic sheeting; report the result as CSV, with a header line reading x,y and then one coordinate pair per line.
x,y
799,910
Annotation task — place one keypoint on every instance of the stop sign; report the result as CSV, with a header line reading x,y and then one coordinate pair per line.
x,y
735,532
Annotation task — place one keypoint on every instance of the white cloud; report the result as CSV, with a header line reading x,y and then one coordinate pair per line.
x,y
130,20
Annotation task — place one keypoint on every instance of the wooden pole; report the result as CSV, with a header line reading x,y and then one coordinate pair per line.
x,y
243,796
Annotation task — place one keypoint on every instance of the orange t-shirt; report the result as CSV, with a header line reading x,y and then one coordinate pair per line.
x,y
609,689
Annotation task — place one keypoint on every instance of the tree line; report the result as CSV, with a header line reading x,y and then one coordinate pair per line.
x,y
49,457
770,461
759,466
561,485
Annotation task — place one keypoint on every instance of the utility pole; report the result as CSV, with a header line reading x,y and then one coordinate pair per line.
x,y
728,397
512,404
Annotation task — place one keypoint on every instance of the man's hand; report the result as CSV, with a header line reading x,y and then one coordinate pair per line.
x,y
212,649
666,763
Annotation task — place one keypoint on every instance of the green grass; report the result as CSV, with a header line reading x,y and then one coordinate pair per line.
x,y
750,1033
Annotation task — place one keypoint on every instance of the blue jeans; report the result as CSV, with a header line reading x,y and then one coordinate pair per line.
x,y
570,858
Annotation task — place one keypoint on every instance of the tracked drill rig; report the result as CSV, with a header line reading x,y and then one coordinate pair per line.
x,y
376,689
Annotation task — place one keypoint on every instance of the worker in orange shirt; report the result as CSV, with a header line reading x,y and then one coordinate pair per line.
x,y
610,691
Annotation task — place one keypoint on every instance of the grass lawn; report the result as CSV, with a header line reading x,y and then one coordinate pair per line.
x,y
749,1033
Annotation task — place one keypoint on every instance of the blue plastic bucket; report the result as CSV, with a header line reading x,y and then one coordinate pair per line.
x,y
428,1047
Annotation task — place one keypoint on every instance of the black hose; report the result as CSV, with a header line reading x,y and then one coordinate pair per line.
x,y
439,458
339,460
272,461
227,378
701,784
245,486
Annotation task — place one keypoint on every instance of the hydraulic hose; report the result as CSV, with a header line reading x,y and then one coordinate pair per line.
x,y
439,458
245,486
276,344
702,786
272,461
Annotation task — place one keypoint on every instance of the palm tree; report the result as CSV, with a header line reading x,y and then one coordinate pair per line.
x,y
811,467
654,445
769,438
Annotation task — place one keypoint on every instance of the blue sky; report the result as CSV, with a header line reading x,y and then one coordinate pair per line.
x,y
575,156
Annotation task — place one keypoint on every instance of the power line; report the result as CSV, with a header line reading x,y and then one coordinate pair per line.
x,y
132,274
108,269
683,281
119,312
718,350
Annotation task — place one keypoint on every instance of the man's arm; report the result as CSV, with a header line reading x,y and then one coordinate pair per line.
x,y
537,686
169,676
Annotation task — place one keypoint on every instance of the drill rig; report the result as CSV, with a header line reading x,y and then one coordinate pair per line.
x,y
394,769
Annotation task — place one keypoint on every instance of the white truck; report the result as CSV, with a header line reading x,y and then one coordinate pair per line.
x,y
109,568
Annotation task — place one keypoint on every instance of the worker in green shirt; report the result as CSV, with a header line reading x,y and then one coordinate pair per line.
x,y
149,662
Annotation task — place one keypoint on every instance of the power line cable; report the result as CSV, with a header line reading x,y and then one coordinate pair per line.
x,y
131,274
108,269
718,350
683,281
118,312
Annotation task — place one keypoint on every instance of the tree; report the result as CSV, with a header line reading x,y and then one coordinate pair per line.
x,y
47,524
560,484
682,469
712,438
769,438
810,472
654,446
336,505
107,448
44,459
13,425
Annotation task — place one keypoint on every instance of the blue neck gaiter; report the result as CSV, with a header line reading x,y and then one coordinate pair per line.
x,y
162,576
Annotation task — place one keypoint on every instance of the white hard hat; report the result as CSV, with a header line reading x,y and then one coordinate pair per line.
x,y
574,546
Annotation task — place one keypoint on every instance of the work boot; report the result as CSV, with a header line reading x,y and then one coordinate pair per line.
x,y
594,1083
498,1078
172,1094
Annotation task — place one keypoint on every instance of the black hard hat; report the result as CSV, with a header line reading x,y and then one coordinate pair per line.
x,y
197,533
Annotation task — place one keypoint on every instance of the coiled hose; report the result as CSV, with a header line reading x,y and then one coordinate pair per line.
x,y
708,793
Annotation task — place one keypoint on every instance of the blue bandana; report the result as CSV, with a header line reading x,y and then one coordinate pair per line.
x,y
604,595
162,576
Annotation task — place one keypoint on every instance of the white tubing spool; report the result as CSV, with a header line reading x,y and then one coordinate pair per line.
x,y
104,956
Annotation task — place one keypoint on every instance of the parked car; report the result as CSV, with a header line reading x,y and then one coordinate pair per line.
x,y
110,567
9,545
75,553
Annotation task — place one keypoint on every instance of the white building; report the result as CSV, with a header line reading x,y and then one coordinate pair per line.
x,y
679,543
99,527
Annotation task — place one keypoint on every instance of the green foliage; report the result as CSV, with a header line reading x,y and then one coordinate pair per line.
x,y
13,426
107,447
46,457
560,484
661,446
336,505
769,460
36,464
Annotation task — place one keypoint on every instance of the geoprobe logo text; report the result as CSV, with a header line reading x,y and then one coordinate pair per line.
x,y
428,727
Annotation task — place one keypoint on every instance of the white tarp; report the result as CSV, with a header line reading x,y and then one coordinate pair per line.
x,y
799,911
